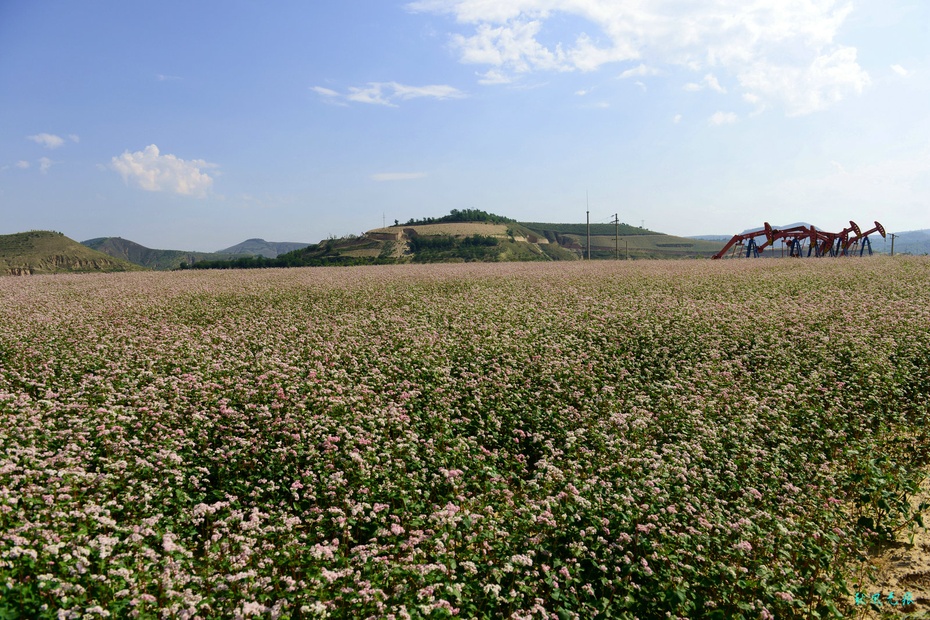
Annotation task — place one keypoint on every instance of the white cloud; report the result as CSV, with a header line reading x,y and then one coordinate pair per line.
x,y
48,140
900,70
44,164
397,176
493,77
676,119
326,92
785,51
709,81
154,172
22,164
640,71
512,47
74,137
713,84
805,89
723,118
388,93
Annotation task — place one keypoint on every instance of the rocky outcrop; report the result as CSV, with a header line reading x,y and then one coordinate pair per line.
x,y
74,263
385,236
66,264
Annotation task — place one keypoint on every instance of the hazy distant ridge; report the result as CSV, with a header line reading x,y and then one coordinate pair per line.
x,y
260,247
148,257
907,242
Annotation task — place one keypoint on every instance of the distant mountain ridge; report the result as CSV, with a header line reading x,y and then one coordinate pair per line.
x,y
44,251
147,257
260,247
908,242
138,254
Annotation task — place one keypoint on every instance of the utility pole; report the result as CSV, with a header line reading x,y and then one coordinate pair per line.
x,y
588,236
588,214
892,242
616,236
626,244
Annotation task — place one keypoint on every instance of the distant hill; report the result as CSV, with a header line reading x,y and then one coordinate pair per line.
x,y
42,251
722,238
260,247
147,257
623,241
473,235
581,229
907,242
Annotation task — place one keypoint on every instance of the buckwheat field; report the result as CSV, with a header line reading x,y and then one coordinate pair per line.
x,y
568,440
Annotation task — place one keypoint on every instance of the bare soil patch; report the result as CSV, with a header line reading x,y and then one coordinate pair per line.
x,y
899,569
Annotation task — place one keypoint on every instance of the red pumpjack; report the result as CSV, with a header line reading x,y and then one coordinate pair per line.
x,y
797,238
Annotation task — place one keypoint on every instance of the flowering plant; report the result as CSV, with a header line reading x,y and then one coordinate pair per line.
x,y
683,439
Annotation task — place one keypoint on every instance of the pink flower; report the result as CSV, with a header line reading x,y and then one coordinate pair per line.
x,y
743,546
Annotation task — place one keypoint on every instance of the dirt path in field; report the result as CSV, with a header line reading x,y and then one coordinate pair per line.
x,y
902,569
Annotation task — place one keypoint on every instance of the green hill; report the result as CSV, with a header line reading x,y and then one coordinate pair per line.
x,y
42,251
473,235
581,229
623,241
131,251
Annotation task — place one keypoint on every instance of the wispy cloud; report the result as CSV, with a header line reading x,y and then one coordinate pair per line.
x,y
44,164
723,118
784,52
326,92
709,81
640,71
493,76
389,93
900,70
22,164
48,140
148,169
397,176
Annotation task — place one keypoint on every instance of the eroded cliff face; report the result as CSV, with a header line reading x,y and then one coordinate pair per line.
x,y
73,263
65,264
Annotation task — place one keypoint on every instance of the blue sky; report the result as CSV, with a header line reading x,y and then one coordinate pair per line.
x,y
195,125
